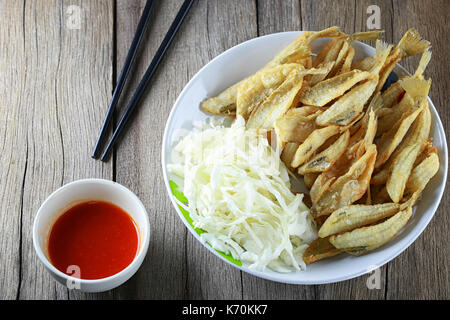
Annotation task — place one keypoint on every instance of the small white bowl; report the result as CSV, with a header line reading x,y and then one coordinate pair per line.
x,y
80,191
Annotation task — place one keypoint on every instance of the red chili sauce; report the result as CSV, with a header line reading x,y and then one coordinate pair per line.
x,y
98,237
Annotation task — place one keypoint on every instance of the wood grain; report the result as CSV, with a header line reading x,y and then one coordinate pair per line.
x,y
55,86
318,15
13,155
421,272
163,271
63,79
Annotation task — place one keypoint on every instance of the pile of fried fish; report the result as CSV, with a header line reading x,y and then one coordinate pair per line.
x,y
363,153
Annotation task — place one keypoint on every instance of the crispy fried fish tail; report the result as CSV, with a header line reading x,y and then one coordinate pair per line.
x,y
300,47
393,94
416,88
412,44
423,63
375,104
367,35
382,51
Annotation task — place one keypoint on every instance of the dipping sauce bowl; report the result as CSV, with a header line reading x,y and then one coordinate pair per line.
x,y
83,195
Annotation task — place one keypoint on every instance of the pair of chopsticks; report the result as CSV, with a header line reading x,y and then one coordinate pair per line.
x,y
143,22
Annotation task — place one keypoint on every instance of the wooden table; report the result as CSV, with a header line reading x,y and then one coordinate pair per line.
x,y
57,73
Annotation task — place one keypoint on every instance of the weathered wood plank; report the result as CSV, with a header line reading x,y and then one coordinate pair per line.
x,y
386,18
138,165
278,16
177,265
66,87
318,15
421,272
138,155
13,145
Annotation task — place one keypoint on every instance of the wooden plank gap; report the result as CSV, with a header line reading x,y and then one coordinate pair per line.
x,y
19,283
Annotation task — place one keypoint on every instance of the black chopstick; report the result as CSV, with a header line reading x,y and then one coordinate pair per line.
x,y
148,75
142,26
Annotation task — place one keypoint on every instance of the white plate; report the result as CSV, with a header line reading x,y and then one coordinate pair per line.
x,y
242,61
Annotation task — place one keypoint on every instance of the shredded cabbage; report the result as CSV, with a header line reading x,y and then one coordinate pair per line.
x,y
238,191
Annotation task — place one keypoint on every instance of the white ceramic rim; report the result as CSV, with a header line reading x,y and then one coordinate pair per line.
x,y
411,237
137,259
